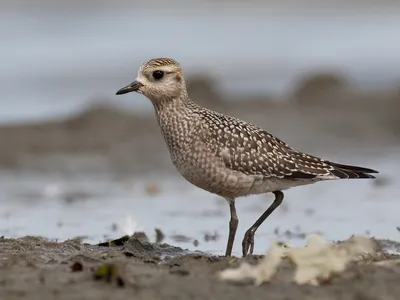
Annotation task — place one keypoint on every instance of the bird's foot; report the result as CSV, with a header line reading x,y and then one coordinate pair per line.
x,y
248,242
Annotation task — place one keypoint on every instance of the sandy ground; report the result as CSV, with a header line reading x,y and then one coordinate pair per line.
x,y
34,268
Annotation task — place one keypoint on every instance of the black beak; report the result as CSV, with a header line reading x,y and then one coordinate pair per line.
x,y
132,87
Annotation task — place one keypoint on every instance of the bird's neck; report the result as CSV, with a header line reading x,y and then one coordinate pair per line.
x,y
167,108
176,118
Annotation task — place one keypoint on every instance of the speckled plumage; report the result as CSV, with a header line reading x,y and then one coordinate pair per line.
x,y
222,154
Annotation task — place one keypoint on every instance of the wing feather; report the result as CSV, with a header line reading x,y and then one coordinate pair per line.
x,y
251,150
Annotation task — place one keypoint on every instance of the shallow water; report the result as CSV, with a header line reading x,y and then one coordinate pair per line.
x,y
63,207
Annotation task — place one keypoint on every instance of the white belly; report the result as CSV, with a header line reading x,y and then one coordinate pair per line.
x,y
267,185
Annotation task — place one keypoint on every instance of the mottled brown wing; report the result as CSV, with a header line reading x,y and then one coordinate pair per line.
x,y
246,148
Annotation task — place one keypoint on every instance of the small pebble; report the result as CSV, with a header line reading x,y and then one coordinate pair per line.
x,y
76,267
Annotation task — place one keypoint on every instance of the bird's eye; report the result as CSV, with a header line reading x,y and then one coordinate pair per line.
x,y
158,74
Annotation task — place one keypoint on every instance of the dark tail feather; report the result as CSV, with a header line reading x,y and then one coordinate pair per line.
x,y
347,171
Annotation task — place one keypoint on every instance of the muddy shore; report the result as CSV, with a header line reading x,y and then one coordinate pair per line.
x,y
35,268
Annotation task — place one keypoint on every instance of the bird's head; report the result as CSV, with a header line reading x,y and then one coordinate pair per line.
x,y
159,79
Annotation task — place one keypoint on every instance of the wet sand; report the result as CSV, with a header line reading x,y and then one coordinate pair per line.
x,y
35,268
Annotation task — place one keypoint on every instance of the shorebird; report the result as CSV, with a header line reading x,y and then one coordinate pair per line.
x,y
225,155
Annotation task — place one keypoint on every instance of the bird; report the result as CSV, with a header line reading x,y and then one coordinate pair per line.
x,y
224,155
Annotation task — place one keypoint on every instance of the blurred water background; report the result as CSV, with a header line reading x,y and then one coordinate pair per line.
x,y
57,55
324,76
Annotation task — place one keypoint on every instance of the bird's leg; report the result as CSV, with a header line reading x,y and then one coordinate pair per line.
x,y
233,224
248,240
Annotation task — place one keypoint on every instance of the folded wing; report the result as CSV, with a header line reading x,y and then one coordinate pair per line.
x,y
251,150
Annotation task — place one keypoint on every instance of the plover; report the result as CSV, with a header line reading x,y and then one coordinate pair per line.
x,y
224,155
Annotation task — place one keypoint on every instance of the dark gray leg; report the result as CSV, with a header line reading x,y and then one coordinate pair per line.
x,y
233,224
248,240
